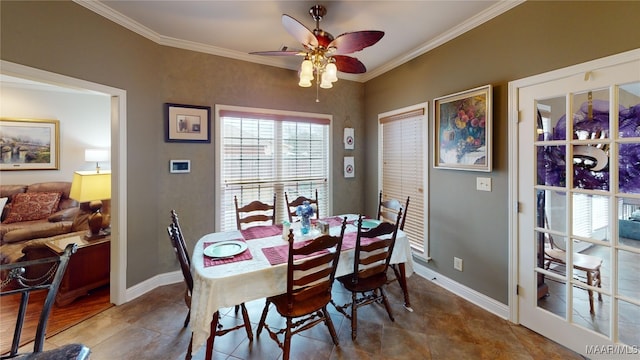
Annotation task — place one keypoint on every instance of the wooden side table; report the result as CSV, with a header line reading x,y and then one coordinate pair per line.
x,y
88,268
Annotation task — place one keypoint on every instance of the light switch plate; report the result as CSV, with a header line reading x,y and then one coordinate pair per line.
x,y
483,184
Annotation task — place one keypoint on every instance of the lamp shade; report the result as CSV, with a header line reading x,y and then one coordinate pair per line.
x,y
96,155
90,186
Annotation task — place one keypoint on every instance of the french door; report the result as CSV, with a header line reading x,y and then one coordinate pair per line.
x,y
578,185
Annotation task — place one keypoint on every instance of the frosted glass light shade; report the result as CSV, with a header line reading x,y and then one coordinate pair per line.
x,y
306,69
325,83
331,72
304,82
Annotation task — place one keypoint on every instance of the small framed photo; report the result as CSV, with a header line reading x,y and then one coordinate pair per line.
x,y
187,123
28,144
462,130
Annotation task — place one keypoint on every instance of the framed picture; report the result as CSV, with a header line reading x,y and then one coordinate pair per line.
x,y
462,130
187,123
28,144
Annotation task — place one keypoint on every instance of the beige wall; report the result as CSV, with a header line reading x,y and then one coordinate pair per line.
x,y
84,124
532,38
65,38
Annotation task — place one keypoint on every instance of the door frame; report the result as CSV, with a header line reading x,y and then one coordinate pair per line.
x,y
118,117
514,118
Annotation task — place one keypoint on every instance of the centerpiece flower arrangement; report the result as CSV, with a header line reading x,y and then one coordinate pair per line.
x,y
305,211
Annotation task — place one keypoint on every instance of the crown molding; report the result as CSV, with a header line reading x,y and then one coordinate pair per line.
x,y
476,20
120,19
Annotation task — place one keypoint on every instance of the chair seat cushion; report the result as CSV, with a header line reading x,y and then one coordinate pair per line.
x,y
300,308
66,352
366,284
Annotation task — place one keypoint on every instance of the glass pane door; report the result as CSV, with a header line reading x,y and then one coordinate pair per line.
x,y
579,181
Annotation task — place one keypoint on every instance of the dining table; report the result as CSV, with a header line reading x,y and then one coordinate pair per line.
x,y
258,268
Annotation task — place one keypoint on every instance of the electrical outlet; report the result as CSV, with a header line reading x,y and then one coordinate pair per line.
x,y
483,183
457,263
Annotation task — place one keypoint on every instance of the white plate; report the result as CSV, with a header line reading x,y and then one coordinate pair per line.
x,y
225,249
370,223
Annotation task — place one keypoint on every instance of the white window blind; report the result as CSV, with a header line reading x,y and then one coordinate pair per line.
x,y
263,153
590,216
402,170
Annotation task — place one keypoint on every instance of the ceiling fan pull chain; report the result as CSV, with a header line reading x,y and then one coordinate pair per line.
x,y
317,87
590,105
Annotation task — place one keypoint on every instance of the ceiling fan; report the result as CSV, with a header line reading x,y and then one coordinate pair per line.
x,y
324,54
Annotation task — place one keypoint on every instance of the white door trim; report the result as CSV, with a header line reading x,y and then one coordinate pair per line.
x,y
118,277
513,155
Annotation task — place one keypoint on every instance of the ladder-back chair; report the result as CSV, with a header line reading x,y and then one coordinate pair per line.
x,y
371,260
179,246
293,205
309,283
255,213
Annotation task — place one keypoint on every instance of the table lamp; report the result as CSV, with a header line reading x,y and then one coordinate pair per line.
x,y
92,187
96,155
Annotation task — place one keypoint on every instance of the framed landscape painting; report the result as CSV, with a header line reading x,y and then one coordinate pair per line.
x,y
187,123
28,144
462,130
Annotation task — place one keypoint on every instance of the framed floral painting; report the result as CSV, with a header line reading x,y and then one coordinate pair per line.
x,y
462,130
29,144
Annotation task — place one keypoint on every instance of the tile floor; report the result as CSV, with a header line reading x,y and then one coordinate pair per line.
x,y
442,326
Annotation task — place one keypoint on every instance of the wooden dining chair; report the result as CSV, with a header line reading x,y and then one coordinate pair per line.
x,y
180,248
255,213
217,329
293,205
371,259
388,211
16,279
309,282
589,264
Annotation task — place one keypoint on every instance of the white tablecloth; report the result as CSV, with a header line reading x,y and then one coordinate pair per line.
x,y
227,285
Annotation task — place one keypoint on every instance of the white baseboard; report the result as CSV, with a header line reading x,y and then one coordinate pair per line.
x,y
152,283
481,300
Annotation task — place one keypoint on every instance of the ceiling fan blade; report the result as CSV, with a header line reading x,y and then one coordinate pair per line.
x,y
350,42
279,53
299,31
348,64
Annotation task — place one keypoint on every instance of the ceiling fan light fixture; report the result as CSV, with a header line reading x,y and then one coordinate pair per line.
x,y
331,72
325,83
304,82
323,54
306,73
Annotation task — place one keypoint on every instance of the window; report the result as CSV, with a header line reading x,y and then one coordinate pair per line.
x,y
262,152
403,144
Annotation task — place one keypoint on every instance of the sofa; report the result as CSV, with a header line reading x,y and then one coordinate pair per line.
x,y
33,213
630,229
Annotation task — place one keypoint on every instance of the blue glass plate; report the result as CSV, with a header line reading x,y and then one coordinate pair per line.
x,y
370,223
